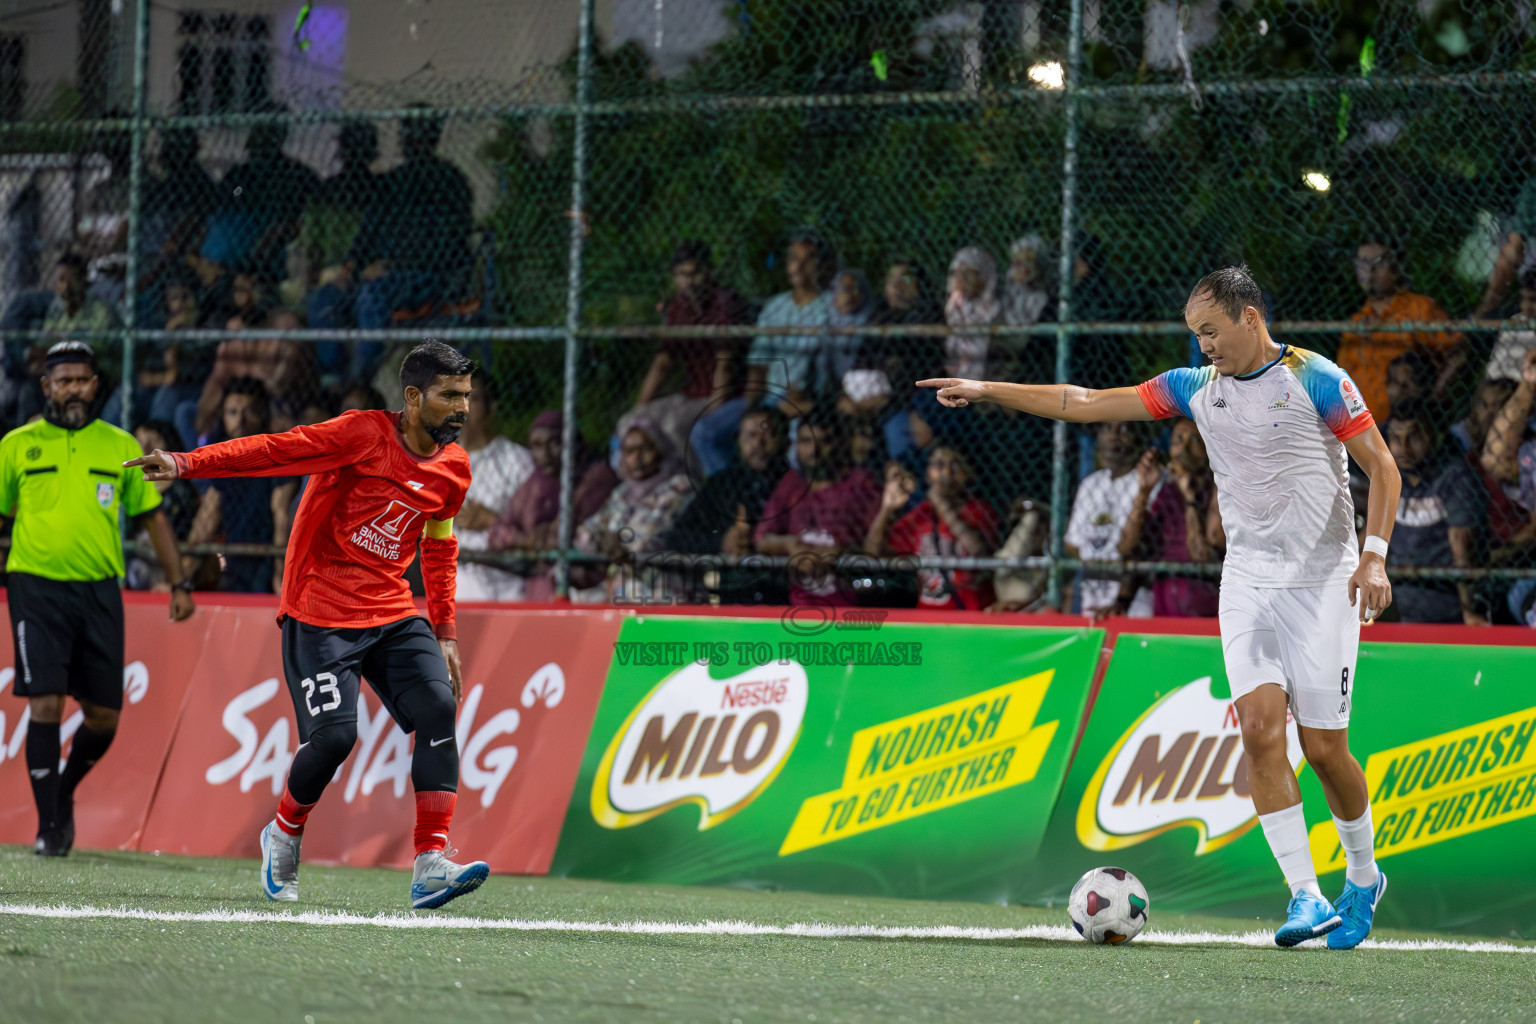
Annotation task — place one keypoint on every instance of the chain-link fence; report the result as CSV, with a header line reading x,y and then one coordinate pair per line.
x,y
682,213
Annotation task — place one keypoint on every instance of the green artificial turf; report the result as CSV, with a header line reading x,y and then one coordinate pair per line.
x,y
102,970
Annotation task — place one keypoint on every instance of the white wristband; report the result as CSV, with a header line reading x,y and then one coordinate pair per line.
x,y
1375,545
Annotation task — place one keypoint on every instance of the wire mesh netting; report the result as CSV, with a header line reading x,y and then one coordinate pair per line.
x,y
748,227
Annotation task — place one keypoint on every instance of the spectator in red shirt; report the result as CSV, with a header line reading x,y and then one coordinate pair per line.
x,y
817,512
706,363
948,522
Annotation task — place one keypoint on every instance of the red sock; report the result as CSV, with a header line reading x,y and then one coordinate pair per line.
x,y
291,814
433,813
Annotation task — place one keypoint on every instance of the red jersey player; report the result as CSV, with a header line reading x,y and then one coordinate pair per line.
x,y
379,482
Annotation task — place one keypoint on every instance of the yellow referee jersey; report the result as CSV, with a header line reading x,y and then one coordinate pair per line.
x,y
64,488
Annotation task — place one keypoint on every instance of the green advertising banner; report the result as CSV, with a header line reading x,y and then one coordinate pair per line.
x,y
911,759
1447,737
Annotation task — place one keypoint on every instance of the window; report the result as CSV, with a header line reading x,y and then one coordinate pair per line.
x,y
13,85
223,63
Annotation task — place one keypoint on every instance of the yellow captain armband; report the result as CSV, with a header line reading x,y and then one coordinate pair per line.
x,y
439,529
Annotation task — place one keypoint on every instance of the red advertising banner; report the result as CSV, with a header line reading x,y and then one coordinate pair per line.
x,y
110,807
531,685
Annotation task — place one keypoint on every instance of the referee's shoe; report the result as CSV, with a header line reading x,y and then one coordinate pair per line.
x,y
63,481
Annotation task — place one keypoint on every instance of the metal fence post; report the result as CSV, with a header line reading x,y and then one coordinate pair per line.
x,y
135,211
1061,436
573,298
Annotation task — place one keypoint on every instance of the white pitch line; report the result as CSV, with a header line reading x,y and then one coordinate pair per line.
x,y
1051,933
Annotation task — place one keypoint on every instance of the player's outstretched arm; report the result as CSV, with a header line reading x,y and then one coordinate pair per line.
x,y
158,465
1053,401
1369,589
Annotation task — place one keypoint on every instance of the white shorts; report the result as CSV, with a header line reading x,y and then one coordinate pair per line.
x,y
1306,640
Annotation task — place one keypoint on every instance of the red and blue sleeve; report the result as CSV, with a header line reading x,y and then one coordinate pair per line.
x,y
1336,397
1169,394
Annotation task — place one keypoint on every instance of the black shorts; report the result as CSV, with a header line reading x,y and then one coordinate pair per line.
x,y
325,666
68,637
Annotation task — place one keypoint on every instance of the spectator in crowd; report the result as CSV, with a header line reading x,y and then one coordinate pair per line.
x,y
1509,453
853,305
178,499
949,522
728,506
907,298
498,466
1411,377
328,242
177,203
971,302
1519,337
1506,519
1366,354
1098,360
1028,535
653,492
707,364
818,511
282,366
413,247
1099,514
781,368
531,519
1440,518
73,311
1517,254
1177,526
246,510
262,199
361,395
1027,300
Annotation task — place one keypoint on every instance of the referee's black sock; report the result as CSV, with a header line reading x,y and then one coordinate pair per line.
x,y
43,769
84,752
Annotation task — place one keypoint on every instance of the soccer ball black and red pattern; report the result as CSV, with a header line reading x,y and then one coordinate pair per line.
x,y
1108,906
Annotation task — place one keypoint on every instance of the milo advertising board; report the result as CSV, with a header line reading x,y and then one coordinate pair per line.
x,y
1447,738
910,759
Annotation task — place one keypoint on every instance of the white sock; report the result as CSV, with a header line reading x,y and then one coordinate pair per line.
x,y
1358,838
1286,831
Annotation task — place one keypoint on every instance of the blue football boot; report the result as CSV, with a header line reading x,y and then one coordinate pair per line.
x,y
1358,909
1307,917
435,879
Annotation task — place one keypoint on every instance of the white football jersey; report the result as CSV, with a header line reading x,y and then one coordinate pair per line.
x,y
1276,443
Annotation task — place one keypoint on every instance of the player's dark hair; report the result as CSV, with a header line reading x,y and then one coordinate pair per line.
x,y
431,360
691,250
71,352
1231,290
249,386
74,261
1419,365
826,257
168,433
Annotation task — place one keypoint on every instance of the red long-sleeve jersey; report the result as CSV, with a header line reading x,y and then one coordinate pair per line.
x,y
366,504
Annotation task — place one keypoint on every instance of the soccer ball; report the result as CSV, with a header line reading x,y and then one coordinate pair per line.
x,y
1108,905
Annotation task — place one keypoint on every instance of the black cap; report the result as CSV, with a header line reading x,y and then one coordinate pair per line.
x,y
71,352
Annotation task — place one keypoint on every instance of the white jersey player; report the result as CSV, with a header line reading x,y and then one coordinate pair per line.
x,y
1277,422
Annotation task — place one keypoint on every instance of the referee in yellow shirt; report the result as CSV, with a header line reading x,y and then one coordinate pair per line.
x,y
62,480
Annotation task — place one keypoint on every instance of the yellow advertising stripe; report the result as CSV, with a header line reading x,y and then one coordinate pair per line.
x,y
940,734
931,786
1453,760
1436,817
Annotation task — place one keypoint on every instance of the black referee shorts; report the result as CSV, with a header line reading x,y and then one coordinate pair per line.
x,y
68,637
325,667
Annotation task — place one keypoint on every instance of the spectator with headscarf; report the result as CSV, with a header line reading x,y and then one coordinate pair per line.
x,y
972,302
652,493
531,519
